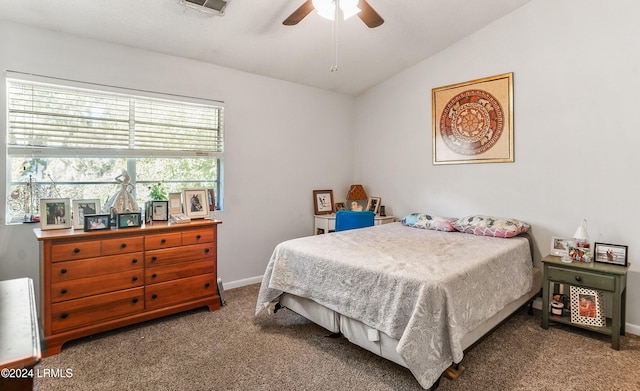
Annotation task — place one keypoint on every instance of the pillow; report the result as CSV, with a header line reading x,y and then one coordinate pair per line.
x,y
425,221
491,226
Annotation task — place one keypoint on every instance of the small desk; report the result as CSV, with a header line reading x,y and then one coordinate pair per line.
x,y
19,333
327,223
593,275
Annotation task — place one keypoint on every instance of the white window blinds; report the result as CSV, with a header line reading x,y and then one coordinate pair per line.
x,y
54,120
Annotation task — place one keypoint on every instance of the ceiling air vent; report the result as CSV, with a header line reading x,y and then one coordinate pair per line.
x,y
207,6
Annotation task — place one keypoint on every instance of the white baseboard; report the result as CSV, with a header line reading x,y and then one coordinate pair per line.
x,y
240,283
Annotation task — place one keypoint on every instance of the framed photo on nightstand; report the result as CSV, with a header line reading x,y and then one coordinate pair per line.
x,y
323,202
614,254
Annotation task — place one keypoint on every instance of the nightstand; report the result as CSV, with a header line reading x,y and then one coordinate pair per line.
x,y
327,223
593,275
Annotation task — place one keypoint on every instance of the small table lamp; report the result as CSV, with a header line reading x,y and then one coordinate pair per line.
x,y
357,198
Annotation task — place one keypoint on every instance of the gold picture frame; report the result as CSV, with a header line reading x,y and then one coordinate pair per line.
x,y
472,122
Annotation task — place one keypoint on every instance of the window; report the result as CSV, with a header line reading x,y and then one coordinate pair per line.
x,y
72,140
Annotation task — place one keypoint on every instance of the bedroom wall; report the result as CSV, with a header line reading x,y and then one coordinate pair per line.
x,y
280,144
575,66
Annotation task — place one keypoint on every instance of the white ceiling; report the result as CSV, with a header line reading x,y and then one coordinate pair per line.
x,y
251,37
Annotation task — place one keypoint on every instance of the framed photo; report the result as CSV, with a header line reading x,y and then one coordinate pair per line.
x,y
580,254
55,213
159,210
373,205
340,206
129,220
175,203
614,254
472,122
96,222
195,203
81,208
560,246
586,306
323,202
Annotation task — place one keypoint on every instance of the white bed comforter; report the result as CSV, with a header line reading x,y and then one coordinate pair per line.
x,y
425,288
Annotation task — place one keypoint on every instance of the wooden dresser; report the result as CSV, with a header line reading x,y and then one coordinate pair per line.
x,y
100,280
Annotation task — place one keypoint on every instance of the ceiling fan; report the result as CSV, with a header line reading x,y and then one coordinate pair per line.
x,y
366,13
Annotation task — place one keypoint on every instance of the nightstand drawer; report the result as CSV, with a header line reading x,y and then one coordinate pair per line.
x,y
582,278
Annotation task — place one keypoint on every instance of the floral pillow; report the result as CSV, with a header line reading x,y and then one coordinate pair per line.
x,y
491,226
425,221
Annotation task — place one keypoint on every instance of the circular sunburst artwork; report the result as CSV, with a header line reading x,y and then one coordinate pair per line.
x,y
471,122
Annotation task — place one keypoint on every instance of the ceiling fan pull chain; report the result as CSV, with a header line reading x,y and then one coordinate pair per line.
x,y
334,37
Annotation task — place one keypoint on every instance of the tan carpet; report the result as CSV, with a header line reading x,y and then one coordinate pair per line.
x,y
230,349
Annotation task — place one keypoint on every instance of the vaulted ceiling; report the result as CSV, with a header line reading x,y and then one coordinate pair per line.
x,y
250,35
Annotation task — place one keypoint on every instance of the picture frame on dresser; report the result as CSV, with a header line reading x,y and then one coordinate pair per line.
x,y
82,208
373,205
55,213
159,210
195,203
614,254
323,202
96,222
129,220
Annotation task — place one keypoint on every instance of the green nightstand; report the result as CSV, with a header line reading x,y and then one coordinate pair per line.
x,y
593,275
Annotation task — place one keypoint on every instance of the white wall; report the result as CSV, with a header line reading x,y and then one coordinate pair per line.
x,y
282,141
576,79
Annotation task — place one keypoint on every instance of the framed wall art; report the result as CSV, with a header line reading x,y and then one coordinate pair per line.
x,y
81,208
96,222
323,202
55,213
196,205
586,306
614,254
472,122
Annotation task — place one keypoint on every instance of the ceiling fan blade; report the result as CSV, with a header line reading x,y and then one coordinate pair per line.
x,y
368,15
299,14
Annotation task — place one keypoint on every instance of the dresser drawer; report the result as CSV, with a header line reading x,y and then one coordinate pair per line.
x,y
80,312
582,278
154,275
70,270
196,236
179,254
67,290
122,245
169,239
75,250
177,291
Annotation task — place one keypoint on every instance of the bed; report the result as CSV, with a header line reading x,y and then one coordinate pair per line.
x,y
418,297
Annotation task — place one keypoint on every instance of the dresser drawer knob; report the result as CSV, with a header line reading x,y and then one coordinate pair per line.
x,y
76,250
134,300
154,275
134,261
578,278
154,296
163,241
153,258
123,245
134,279
63,271
198,237
63,291
206,250
206,284
64,315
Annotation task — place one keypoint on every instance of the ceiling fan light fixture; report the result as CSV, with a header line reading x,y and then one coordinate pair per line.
x,y
327,8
